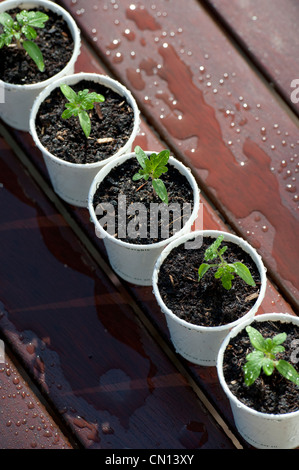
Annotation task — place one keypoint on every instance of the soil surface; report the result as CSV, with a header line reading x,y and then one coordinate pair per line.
x,y
141,225
54,40
206,303
268,394
111,126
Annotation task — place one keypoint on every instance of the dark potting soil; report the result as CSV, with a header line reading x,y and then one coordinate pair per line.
x,y
205,303
54,40
111,126
140,225
268,394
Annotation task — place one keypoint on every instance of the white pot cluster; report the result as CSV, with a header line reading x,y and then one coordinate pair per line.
x,y
140,264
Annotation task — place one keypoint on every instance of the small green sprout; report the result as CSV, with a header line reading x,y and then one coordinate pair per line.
x,y
78,105
153,167
264,357
225,270
23,31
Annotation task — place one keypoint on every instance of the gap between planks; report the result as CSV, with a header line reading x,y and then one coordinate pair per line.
x,y
105,267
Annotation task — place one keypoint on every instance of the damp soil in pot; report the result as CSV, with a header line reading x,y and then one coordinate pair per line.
x,y
55,42
119,182
268,394
206,303
112,123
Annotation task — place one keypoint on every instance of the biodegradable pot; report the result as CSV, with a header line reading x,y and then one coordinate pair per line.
x,y
71,181
18,99
196,343
261,430
135,263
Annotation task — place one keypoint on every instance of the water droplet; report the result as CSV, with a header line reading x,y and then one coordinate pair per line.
x,y
118,58
291,188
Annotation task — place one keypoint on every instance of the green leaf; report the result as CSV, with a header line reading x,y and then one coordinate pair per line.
x,y
141,156
244,273
29,32
203,268
252,371
35,53
288,371
35,19
268,366
212,252
161,190
255,356
6,20
158,163
67,113
95,97
5,39
69,93
277,349
137,177
226,280
85,122
256,338
279,339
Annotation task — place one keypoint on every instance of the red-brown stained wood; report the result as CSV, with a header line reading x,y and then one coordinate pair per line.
x,y
273,302
215,113
24,421
268,32
79,338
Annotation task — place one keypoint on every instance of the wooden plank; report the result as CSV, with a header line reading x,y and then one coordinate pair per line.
x,y
214,112
206,378
80,339
268,33
25,423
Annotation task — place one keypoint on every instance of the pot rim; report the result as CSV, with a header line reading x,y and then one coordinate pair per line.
x,y
227,237
282,317
141,247
74,30
74,79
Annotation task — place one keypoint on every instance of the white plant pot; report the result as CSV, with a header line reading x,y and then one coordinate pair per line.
x,y
18,99
72,181
200,344
135,263
261,430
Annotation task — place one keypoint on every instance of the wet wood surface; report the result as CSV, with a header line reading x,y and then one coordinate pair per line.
x,y
213,111
98,348
78,336
268,32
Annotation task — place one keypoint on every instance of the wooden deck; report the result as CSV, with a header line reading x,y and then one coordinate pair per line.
x,y
89,363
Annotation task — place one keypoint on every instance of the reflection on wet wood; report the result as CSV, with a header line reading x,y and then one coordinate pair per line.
x,y
79,338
